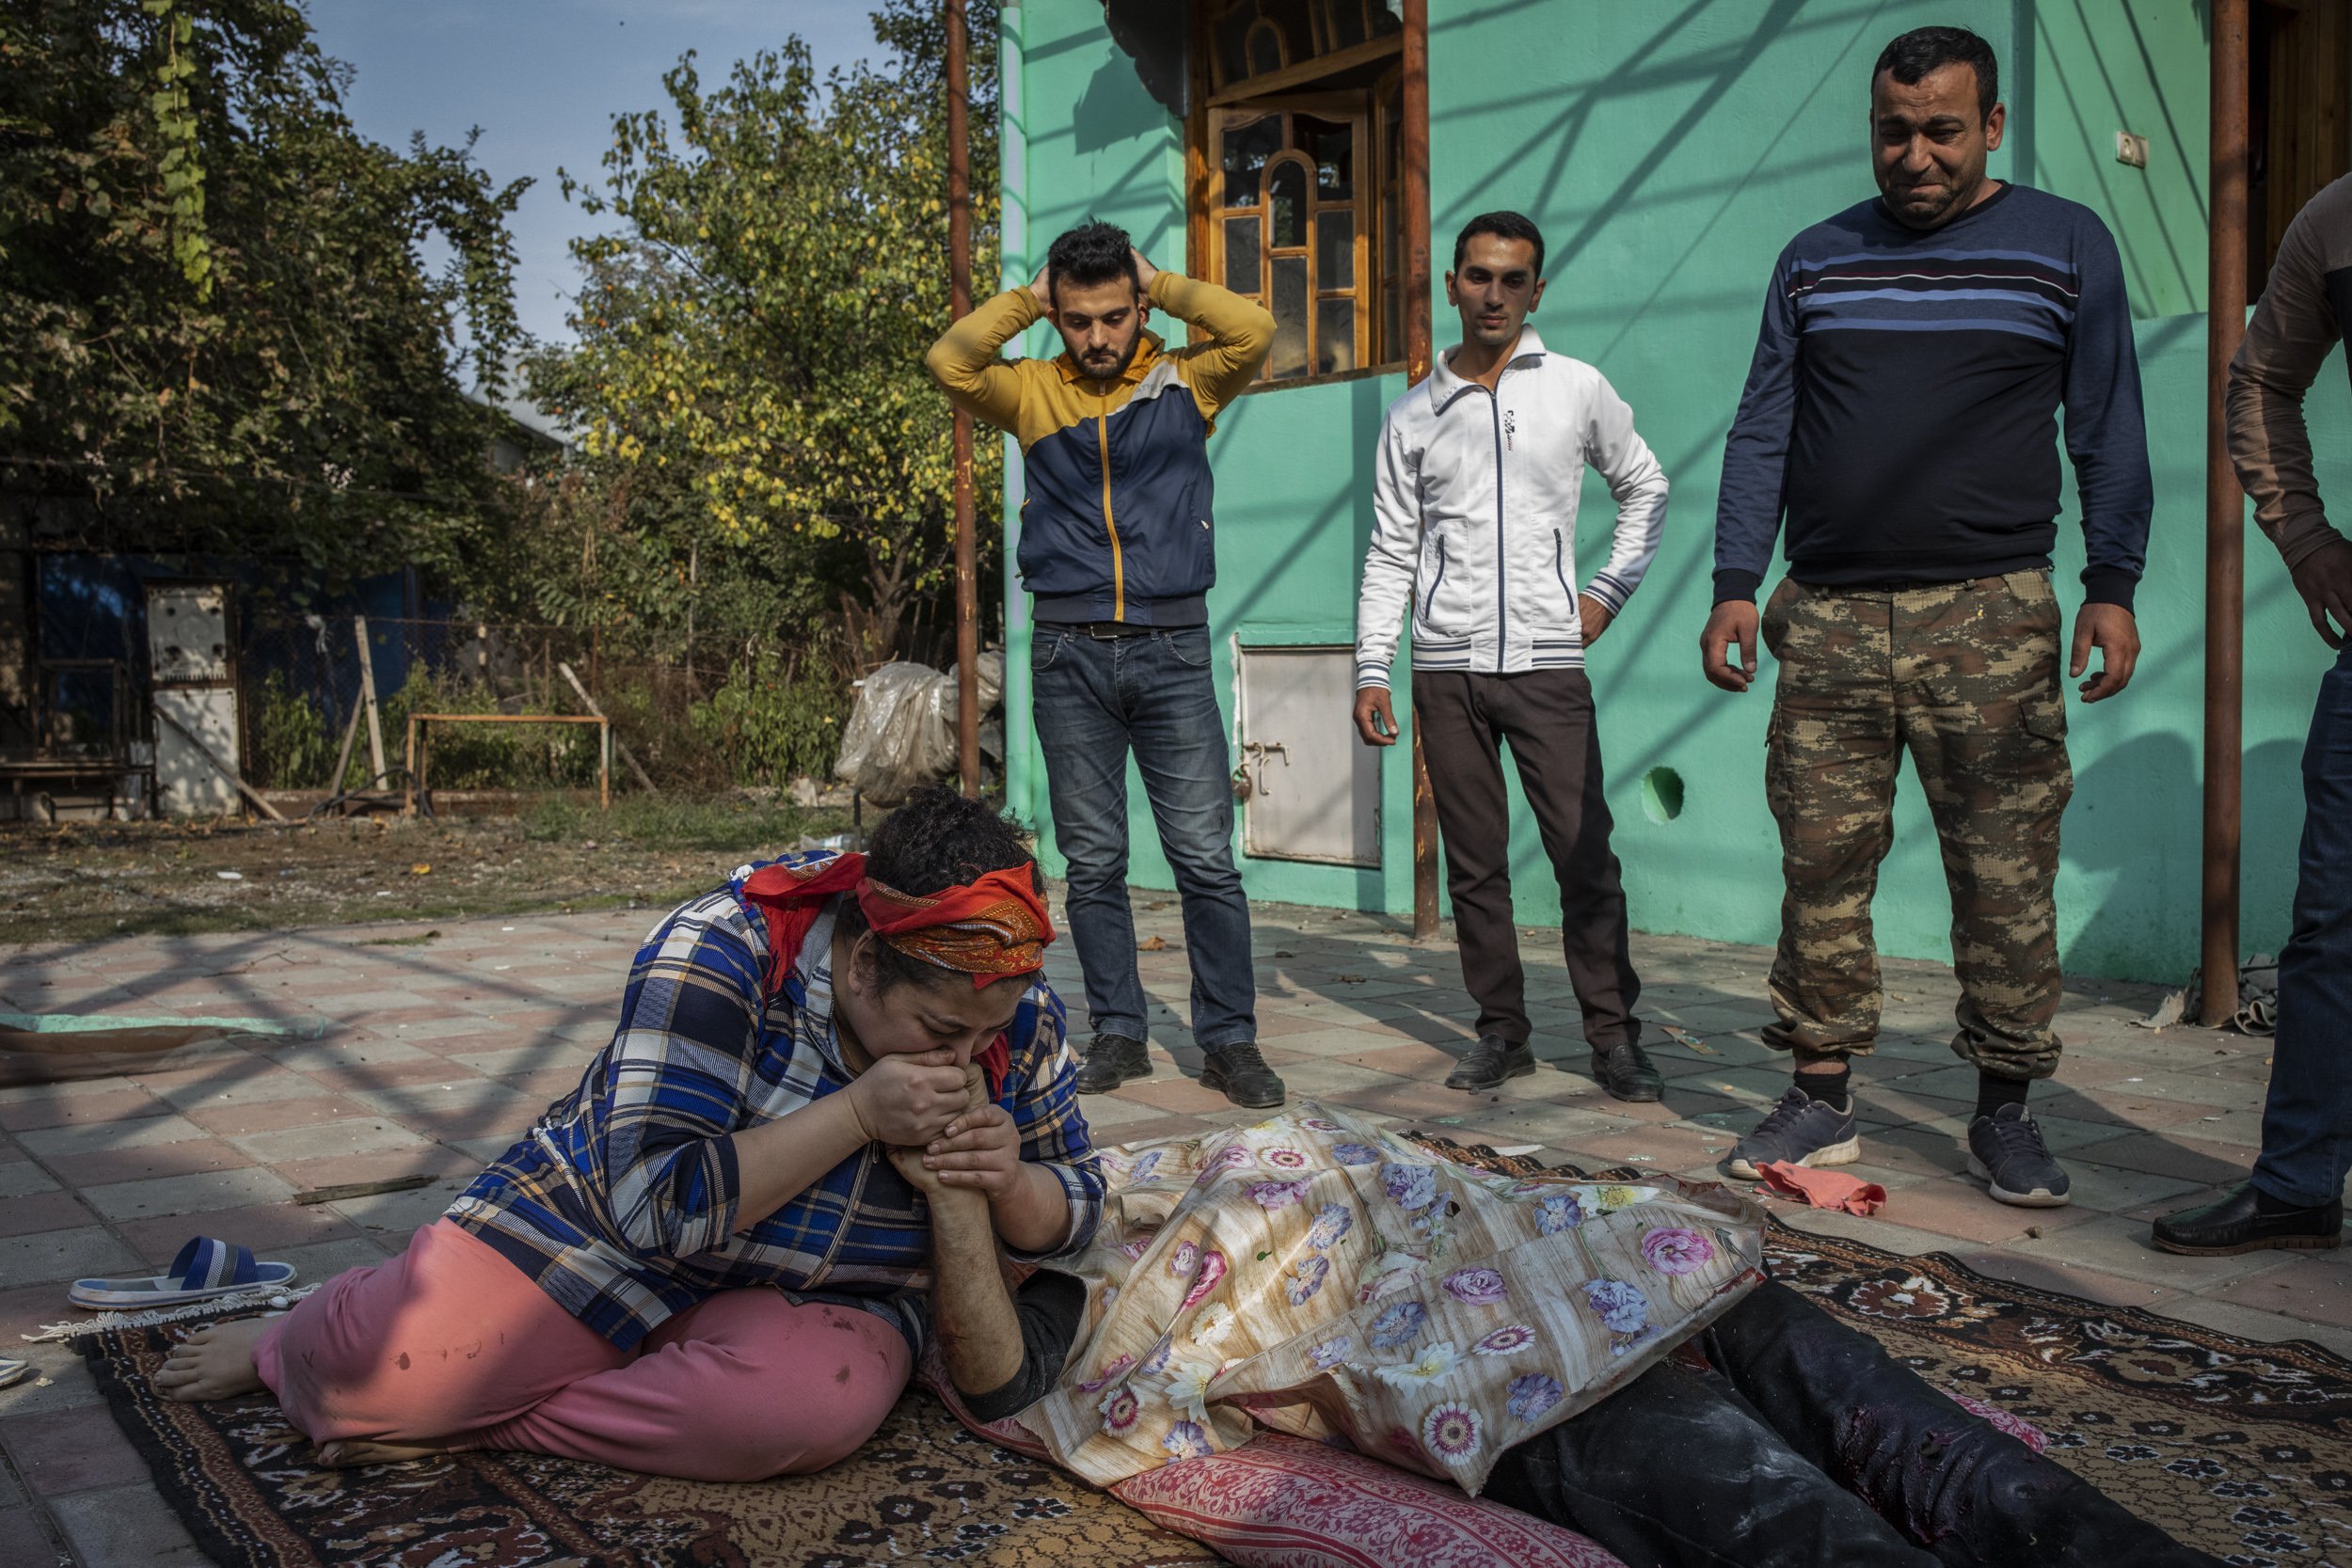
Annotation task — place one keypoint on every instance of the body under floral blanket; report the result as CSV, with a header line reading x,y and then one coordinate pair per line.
x,y
1320,1277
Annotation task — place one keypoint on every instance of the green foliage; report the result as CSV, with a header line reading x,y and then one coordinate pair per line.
x,y
221,334
485,756
760,441
294,742
776,720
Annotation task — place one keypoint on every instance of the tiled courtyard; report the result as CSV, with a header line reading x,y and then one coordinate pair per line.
x,y
437,1052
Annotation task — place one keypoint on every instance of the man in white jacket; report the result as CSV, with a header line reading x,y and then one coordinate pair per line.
x,y
1475,501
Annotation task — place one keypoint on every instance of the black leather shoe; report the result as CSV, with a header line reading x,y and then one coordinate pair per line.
x,y
2235,1224
1239,1073
1625,1073
1111,1060
1491,1061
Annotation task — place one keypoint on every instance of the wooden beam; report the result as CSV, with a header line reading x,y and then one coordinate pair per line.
x,y
1318,68
219,767
959,306
1413,284
627,756
366,697
2225,517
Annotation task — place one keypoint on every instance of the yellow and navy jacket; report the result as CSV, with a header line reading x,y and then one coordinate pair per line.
x,y
1118,522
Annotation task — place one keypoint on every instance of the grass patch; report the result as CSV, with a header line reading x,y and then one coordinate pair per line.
x,y
674,822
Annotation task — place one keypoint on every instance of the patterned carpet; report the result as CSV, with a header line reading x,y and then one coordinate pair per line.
x,y
2242,1450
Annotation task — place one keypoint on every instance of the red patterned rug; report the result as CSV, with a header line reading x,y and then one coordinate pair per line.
x,y
2242,1450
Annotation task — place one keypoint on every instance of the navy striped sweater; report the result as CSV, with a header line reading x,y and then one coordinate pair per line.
x,y
1903,405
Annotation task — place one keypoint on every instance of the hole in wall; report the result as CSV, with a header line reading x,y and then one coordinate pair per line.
x,y
1662,795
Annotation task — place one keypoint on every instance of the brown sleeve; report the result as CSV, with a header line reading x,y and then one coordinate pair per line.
x,y
2294,329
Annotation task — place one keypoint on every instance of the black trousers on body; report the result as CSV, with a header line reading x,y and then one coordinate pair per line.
x,y
1547,718
1764,1460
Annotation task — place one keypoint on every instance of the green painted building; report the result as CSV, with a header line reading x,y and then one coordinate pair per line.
x,y
1668,152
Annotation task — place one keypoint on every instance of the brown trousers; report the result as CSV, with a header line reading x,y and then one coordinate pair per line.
x,y
1547,717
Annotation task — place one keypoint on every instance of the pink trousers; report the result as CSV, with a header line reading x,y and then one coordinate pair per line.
x,y
450,1343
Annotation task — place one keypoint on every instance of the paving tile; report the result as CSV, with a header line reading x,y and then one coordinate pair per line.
x,y
24,1543
266,1227
38,1211
86,1137
2184,1157
2307,1286
61,1378
350,1136
117,1103
245,1088
19,1175
2248,1323
384,1165
74,1450
118,1525
199,1193
62,1254
2050,1269
272,1116
1884,1234
185,1157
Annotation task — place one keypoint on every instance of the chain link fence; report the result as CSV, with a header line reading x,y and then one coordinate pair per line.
x,y
762,717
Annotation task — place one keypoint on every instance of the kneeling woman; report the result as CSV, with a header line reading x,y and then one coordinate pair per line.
x,y
705,1262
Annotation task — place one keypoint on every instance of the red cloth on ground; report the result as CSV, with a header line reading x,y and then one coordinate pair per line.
x,y
1824,1189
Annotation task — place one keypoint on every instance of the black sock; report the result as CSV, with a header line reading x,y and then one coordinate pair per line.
x,y
1828,1087
1993,1093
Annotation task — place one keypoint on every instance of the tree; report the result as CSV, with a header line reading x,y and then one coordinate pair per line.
x,y
754,330
220,335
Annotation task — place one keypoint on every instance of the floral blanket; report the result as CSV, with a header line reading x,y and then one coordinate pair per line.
x,y
1323,1277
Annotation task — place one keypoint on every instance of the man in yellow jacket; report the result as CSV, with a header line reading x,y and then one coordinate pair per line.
x,y
1118,550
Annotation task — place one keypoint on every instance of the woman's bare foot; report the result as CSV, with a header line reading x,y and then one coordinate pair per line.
x,y
214,1363
352,1450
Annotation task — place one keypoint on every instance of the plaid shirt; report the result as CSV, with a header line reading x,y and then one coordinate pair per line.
x,y
621,1201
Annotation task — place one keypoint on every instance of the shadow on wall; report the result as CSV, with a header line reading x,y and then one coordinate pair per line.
x,y
1111,112
2146,793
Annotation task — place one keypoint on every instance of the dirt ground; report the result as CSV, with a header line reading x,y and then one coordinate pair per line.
x,y
80,880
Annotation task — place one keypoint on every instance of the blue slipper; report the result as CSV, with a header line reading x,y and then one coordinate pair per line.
x,y
204,1269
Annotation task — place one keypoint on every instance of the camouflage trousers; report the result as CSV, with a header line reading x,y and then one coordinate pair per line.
x,y
1964,677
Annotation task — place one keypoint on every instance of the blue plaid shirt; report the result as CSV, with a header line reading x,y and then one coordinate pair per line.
x,y
621,1201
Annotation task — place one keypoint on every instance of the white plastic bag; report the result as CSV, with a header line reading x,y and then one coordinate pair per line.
x,y
902,732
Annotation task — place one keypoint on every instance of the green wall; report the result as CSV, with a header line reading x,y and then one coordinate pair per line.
x,y
1669,152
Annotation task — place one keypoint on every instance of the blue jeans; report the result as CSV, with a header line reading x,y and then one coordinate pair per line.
x,y
2306,1124
1095,700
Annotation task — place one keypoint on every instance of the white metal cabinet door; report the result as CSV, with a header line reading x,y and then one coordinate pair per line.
x,y
1314,788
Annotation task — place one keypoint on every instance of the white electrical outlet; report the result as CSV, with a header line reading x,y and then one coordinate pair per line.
x,y
2131,150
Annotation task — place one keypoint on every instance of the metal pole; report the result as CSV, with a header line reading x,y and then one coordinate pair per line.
x,y
960,306
1419,351
2225,518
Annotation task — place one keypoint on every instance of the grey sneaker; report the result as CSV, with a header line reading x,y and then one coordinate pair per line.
x,y
1800,1130
2007,1153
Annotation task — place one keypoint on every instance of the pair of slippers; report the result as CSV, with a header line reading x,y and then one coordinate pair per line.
x,y
205,1270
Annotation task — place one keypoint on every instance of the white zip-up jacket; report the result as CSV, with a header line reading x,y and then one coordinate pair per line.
x,y
1474,516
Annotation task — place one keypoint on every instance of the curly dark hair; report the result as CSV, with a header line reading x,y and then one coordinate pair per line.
x,y
937,840
1094,252
1925,49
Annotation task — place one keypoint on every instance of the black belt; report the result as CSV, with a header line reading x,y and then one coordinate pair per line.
x,y
1104,631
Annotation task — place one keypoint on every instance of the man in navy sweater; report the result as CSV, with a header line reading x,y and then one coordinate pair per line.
x,y
1903,412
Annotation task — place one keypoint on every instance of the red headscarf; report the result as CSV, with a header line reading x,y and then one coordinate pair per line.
x,y
993,928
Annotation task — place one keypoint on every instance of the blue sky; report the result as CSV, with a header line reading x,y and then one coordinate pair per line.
x,y
542,79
